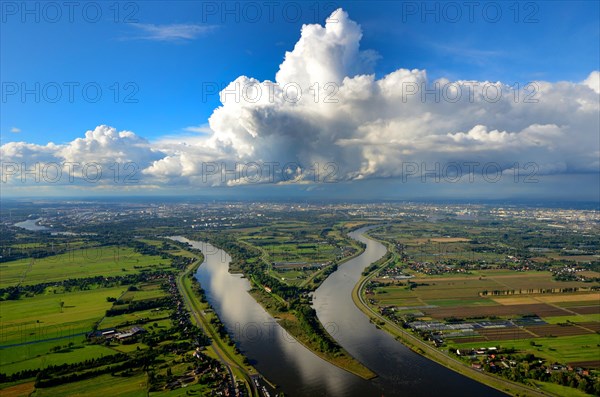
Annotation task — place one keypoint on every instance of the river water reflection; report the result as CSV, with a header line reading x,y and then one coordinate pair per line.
x,y
299,372
32,225
401,371
273,352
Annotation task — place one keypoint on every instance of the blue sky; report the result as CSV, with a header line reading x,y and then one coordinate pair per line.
x,y
559,42
135,81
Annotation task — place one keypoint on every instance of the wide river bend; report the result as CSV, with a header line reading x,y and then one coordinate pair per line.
x,y
296,370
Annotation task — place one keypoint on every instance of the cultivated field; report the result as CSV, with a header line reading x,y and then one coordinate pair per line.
x,y
101,386
296,251
470,295
566,349
78,263
50,315
469,288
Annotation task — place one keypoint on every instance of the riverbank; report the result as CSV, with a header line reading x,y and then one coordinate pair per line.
x,y
341,359
296,370
274,304
310,280
219,348
423,348
277,307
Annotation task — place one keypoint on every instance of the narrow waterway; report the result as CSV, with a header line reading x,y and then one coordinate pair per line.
x,y
401,371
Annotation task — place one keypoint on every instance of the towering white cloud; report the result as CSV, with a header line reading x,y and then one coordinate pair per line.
x,y
324,107
324,54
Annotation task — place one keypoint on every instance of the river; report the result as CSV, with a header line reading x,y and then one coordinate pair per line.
x,y
297,371
274,353
32,225
401,371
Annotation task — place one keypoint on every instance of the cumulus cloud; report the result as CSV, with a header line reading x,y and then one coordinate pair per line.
x,y
593,81
325,109
324,54
370,127
104,156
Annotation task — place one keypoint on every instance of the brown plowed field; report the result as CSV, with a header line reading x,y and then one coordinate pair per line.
x,y
586,364
594,326
586,309
541,309
469,339
505,333
557,330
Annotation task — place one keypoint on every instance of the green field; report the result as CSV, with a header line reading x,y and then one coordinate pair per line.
x,y
79,263
581,318
37,319
152,315
20,353
297,253
101,386
53,315
292,241
75,354
147,291
564,349
559,390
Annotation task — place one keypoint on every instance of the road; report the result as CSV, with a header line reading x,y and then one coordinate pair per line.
x,y
217,349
